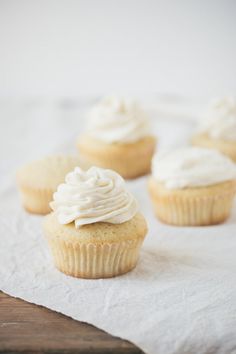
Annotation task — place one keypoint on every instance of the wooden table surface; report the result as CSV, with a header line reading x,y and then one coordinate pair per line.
x,y
28,328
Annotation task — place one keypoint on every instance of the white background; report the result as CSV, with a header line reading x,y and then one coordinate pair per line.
x,y
93,47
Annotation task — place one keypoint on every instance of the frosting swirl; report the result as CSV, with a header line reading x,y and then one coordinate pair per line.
x,y
116,120
220,119
96,195
192,167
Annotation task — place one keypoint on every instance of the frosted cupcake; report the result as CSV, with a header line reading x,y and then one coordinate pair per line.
x,y
218,129
118,137
38,180
95,230
192,186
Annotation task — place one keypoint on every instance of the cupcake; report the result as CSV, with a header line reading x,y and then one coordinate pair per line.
x,y
218,129
118,137
38,180
95,229
192,186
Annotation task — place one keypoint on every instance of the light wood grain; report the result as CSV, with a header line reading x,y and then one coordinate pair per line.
x,y
27,328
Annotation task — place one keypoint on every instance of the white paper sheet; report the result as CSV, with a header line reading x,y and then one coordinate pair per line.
x,y
181,298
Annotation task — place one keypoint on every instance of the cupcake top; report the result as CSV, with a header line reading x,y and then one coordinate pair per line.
x,y
192,167
48,172
220,120
96,195
115,120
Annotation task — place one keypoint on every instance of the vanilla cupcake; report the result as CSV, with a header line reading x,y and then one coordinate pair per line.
x,y
38,180
118,137
95,230
192,186
218,129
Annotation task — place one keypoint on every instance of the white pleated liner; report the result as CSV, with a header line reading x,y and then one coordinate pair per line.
x,y
90,260
194,211
36,200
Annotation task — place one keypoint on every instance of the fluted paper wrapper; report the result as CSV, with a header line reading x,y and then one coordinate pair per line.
x,y
196,211
95,261
36,201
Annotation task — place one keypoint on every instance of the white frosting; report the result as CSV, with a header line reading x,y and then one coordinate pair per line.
x,y
192,167
116,120
220,120
96,195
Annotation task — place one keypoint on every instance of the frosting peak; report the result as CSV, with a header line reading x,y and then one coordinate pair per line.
x,y
192,167
220,119
96,195
115,120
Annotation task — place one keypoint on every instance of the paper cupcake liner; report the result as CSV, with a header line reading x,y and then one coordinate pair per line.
x,y
129,160
36,201
93,261
198,211
127,169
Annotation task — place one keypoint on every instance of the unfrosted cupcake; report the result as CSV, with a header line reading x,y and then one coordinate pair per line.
x,y
192,186
118,137
38,180
218,128
95,230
